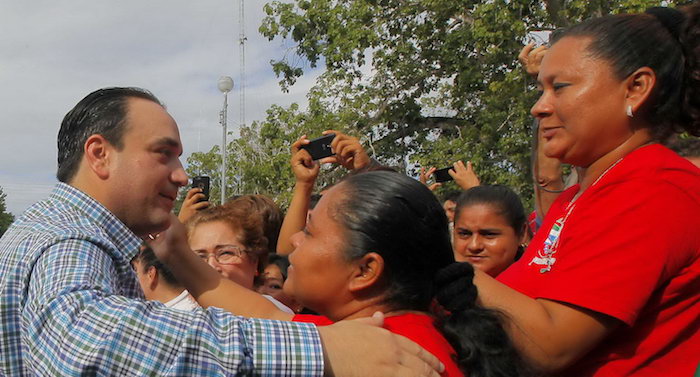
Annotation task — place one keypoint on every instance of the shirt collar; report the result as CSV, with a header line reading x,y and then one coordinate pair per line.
x,y
125,240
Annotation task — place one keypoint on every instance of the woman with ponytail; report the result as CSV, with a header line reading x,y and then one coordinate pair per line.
x,y
374,242
610,284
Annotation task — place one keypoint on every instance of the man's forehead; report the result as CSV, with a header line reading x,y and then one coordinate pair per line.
x,y
149,120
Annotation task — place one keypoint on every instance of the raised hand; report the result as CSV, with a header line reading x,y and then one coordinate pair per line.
x,y
194,201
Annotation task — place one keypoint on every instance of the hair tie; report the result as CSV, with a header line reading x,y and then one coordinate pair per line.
x,y
671,18
455,287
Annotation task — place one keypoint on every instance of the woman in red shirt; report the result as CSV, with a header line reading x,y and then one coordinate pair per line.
x,y
610,284
373,243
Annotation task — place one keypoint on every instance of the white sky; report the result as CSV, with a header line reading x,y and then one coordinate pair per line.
x,y
53,53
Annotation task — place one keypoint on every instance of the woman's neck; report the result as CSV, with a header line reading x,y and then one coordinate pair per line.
x,y
361,310
599,167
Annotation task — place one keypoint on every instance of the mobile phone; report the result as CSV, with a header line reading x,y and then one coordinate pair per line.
x,y
442,175
202,182
538,37
320,147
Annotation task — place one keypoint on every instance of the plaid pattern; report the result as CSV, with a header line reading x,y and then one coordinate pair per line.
x,y
71,305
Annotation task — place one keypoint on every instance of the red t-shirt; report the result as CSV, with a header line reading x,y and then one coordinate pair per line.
x,y
629,249
417,327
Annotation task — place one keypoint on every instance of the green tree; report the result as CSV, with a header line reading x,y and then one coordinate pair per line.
x,y
430,81
6,218
258,160
420,82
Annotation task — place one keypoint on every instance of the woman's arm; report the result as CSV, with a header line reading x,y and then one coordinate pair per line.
x,y
204,283
550,335
305,171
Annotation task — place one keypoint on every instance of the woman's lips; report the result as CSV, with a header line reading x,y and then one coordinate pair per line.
x,y
549,133
475,258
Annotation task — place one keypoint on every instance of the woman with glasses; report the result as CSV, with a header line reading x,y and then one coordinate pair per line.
x,y
374,242
231,240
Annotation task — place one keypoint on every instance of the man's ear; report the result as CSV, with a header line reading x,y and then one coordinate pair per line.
x,y
640,85
367,273
97,153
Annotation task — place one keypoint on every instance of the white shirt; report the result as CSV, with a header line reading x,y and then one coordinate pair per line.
x,y
183,302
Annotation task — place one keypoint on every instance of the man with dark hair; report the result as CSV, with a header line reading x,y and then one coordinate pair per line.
x,y
70,303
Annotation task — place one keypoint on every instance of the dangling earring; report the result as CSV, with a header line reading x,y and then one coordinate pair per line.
x,y
629,111
520,251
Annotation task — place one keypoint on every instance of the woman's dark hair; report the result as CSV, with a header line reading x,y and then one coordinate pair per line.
x,y
666,40
400,219
101,112
502,199
281,261
148,259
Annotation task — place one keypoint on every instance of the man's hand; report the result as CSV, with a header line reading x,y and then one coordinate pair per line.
x,y
531,58
464,176
194,201
425,175
348,151
362,348
303,166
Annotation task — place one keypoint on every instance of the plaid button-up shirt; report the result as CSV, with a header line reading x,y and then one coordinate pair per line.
x,y
71,305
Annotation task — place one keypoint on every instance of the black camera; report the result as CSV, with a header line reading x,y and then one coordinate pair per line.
x,y
202,182
320,147
442,175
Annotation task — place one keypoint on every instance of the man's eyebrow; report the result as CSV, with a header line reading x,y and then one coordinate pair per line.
x,y
169,142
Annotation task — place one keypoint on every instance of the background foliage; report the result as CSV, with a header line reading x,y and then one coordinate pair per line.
x,y
6,218
421,82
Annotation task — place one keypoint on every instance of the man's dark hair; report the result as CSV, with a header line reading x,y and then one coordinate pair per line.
x,y
101,112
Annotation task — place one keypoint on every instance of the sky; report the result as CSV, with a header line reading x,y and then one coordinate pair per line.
x,y
53,53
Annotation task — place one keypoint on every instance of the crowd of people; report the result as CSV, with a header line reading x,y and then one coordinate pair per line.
x,y
374,275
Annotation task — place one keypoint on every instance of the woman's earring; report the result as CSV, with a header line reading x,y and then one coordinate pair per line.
x,y
629,111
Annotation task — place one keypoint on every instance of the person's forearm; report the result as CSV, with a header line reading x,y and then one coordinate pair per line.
x,y
549,335
548,182
210,289
295,219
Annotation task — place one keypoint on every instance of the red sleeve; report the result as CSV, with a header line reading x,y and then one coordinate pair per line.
x,y
317,320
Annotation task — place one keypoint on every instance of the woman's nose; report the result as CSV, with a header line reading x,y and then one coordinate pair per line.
x,y
475,244
211,260
542,108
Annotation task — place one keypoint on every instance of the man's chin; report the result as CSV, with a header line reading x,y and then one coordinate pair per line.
x,y
153,227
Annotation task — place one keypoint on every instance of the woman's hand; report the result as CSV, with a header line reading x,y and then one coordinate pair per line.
x,y
171,244
464,176
425,175
303,166
194,201
349,153
531,58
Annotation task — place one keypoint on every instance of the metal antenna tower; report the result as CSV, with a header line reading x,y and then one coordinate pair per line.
x,y
241,40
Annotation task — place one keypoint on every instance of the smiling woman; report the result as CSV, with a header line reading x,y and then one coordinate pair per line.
x,y
608,286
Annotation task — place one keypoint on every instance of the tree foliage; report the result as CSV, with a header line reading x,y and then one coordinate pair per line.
x,y
6,218
422,82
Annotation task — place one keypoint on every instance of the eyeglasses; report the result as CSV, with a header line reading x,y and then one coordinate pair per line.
x,y
227,254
